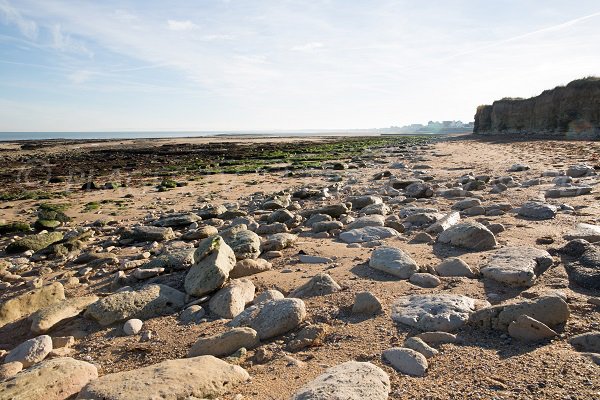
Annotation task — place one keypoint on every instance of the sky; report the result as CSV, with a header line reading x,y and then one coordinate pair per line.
x,y
192,65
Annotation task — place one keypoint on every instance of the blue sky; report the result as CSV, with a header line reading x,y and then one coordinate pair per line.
x,y
280,64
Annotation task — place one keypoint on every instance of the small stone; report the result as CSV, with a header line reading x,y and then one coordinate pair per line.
x,y
407,361
10,369
393,261
437,338
225,343
425,280
528,329
319,285
455,266
192,314
418,344
132,327
366,303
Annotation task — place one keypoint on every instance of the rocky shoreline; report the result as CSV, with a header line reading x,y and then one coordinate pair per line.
x,y
396,268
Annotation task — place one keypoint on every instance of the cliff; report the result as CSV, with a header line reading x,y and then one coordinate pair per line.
x,y
572,110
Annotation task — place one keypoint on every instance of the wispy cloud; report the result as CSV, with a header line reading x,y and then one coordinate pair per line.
x,y
186,25
312,46
10,14
64,42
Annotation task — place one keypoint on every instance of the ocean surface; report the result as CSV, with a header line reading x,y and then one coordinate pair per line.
x,y
12,136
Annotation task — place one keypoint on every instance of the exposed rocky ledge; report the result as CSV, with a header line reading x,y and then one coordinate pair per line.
x,y
572,110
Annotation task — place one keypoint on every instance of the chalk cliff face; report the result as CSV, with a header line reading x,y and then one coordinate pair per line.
x,y
572,110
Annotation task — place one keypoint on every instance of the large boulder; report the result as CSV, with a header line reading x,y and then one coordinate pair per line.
x,y
244,243
393,261
199,377
469,235
367,234
435,312
232,298
148,302
272,318
44,319
55,379
517,266
30,302
319,285
214,259
351,380
550,310
34,242
226,343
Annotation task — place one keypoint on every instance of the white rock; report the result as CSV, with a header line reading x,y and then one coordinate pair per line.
x,y
407,361
132,327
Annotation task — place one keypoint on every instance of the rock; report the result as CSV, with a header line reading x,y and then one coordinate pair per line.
x,y
367,220
376,209
419,190
132,327
308,259
62,341
278,241
34,242
367,234
55,379
326,226
31,351
444,223
225,343
44,319
407,361
309,336
518,168
466,203
435,312
201,233
244,243
366,303
317,218
272,318
393,261
550,310
319,285
569,191
177,220
147,273
268,295
211,211
214,259
148,302
149,234
351,380
232,299
469,235
589,341
364,201
268,229
334,211
585,271
538,211
425,280
577,171
8,370
528,329
417,344
199,377
517,266
30,302
192,314
437,338
249,267
454,266
588,232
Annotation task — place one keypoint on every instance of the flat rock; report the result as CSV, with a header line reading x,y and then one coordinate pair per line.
x,y
31,351
589,342
419,345
517,266
214,259
249,267
588,232
319,285
368,234
232,298
148,302
44,319
393,261
454,266
444,223
351,380
30,302
527,329
537,210
226,343
149,234
199,377
469,235
34,242
367,220
272,318
177,220
407,361
435,312
425,280
436,338
55,379
278,241
308,259
569,191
